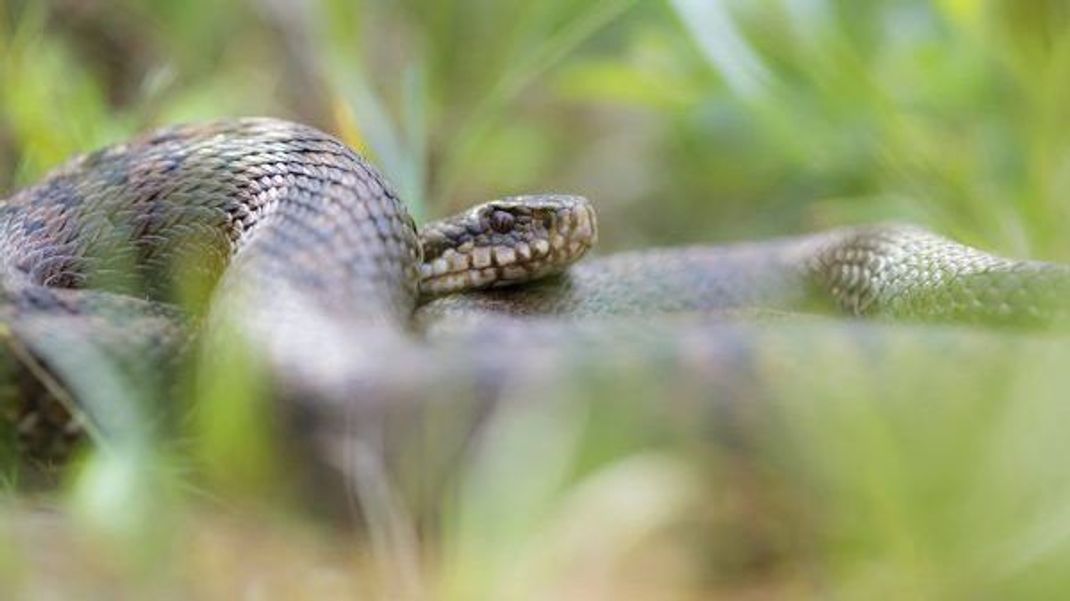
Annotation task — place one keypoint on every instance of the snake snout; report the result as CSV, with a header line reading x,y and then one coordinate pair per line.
x,y
507,241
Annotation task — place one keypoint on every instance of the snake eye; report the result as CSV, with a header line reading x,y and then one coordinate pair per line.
x,y
501,221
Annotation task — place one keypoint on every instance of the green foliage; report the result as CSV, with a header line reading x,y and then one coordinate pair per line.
x,y
685,121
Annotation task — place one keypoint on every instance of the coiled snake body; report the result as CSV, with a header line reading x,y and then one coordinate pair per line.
x,y
300,228
319,264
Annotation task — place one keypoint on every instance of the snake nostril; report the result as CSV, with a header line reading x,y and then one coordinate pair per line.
x,y
501,221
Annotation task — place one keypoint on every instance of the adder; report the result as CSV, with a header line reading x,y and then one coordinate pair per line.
x,y
279,236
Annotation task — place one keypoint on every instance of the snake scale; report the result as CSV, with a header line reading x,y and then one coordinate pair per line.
x,y
298,246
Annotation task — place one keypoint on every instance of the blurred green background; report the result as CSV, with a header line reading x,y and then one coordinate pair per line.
x,y
686,121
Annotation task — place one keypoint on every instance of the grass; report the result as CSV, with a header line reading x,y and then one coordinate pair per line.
x,y
900,473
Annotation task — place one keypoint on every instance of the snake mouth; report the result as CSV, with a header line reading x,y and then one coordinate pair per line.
x,y
506,242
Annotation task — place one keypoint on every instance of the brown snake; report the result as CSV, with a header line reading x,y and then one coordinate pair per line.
x,y
96,257
282,235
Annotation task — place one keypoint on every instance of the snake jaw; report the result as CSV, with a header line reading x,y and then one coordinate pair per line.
x,y
504,242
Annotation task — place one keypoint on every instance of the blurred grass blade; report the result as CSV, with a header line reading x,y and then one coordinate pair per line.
x,y
401,152
521,74
712,28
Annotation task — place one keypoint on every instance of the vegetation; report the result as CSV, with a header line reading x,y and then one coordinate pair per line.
x,y
686,121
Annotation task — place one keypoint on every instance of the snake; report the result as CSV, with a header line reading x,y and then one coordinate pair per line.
x,y
888,271
284,237
97,251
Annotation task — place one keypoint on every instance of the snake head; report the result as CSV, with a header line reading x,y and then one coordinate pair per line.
x,y
506,241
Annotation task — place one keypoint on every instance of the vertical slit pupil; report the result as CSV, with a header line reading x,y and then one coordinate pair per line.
x,y
501,221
